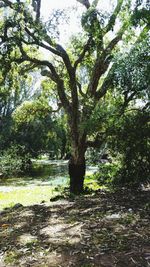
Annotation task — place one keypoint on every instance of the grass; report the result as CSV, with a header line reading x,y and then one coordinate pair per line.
x,y
34,194
28,190
26,196
32,190
91,183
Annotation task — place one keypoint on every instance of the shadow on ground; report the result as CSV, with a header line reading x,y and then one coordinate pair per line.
x,y
104,229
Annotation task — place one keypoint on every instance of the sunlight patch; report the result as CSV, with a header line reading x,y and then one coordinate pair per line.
x,y
27,238
26,213
63,232
114,216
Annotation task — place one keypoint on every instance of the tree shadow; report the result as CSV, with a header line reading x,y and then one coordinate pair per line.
x,y
103,229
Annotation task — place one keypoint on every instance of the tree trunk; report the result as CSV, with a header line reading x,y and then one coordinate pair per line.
x,y
77,170
77,166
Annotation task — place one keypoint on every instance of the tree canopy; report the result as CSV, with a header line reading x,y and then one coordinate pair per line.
x,y
85,73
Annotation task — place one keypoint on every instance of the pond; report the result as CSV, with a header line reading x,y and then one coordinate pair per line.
x,y
46,176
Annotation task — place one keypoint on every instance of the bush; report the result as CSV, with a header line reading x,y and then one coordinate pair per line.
x,y
134,171
131,141
107,173
14,161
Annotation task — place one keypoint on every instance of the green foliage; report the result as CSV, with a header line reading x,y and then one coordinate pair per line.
x,y
90,80
6,132
15,88
107,173
128,142
132,71
38,130
14,161
141,13
132,142
29,110
128,128
32,123
93,21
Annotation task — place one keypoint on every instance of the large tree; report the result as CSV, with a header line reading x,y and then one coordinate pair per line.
x,y
81,74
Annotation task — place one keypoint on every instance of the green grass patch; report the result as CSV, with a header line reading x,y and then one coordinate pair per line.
x,y
92,183
26,195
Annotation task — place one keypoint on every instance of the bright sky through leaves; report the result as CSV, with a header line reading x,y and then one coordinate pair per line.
x,y
72,27
48,5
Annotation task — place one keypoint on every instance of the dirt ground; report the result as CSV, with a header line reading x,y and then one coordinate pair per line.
x,y
104,229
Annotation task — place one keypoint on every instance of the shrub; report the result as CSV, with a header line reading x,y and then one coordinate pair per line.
x,y
14,161
131,141
107,173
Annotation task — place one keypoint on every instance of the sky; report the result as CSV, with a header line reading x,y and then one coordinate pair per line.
x,y
50,4
66,30
47,5
73,27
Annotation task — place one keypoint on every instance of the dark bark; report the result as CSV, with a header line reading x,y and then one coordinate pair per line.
x,y
76,173
37,8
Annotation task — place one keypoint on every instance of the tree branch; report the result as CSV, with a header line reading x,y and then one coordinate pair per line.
x,y
27,68
126,102
37,7
113,17
59,107
103,61
48,74
8,3
101,65
41,44
80,90
25,57
60,51
95,3
82,55
99,140
106,84
84,3
60,89
117,38
52,73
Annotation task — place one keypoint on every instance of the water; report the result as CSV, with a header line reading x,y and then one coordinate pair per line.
x,y
46,176
45,172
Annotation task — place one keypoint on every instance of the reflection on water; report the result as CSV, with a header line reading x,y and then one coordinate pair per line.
x,y
49,168
40,186
44,173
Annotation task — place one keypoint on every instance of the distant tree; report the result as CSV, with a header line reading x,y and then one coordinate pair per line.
x,y
82,75
35,128
129,130
14,89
